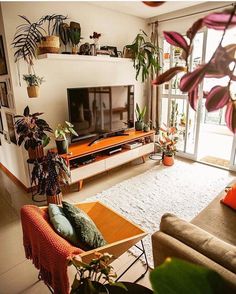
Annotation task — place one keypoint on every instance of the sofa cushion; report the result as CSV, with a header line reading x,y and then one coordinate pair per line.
x,y
230,198
61,224
89,235
200,240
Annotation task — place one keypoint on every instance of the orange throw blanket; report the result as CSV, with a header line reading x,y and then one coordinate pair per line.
x,y
49,252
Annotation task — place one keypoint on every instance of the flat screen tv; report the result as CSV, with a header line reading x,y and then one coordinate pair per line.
x,y
100,110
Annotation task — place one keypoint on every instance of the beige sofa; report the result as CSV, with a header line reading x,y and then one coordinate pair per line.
x,y
209,240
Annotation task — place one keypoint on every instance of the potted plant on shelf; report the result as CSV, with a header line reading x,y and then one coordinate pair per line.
x,y
33,82
74,35
60,134
92,278
145,56
49,174
32,131
167,141
140,114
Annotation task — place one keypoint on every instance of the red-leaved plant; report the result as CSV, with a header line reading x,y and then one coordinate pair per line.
x,y
221,64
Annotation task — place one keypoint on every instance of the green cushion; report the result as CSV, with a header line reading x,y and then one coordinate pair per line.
x,y
61,224
89,235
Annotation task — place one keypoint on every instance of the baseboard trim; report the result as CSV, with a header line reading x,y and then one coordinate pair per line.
x,y
14,178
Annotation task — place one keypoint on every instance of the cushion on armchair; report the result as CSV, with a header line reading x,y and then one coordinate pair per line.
x,y
89,235
200,240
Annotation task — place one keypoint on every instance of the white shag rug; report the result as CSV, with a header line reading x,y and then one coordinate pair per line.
x,y
183,189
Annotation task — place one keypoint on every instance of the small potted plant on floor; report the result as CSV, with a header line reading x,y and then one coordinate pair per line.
x,y
49,174
32,130
167,141
33,82
61,133
140,114
92,278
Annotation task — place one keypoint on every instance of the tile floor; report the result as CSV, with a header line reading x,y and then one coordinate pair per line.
x,y
17,274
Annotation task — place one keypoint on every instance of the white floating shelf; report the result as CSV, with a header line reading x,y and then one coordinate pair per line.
x,y
76,57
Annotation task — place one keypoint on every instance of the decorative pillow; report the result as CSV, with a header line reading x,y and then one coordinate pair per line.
x,y
89,235
62,225
230,197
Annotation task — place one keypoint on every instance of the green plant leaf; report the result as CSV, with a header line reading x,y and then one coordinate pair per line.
x,y
176,276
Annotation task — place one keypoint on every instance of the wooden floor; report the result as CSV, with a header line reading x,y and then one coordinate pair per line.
x,y
17,274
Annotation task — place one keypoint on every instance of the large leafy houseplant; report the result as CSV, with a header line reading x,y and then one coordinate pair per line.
x,y
221,64
49,174
32,130
145,56
91,278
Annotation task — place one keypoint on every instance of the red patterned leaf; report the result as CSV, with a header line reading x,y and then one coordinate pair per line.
x,y
195,28
217,98
168,75
191,80
218,21
230,116
193,98
177,40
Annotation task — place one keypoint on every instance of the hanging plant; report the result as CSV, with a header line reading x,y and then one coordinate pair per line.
x,y
221,64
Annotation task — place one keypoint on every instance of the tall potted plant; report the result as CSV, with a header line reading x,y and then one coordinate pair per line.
x,y
144,55
32,130
140,114
49,174
33,82
61,133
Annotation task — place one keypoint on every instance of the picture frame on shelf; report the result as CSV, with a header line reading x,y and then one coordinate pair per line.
x,y
112,50
1,124
3,63
10,125
3,94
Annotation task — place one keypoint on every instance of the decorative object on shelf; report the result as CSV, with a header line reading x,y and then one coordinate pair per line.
x,y
74,35
3,63
11,127
167,141
84,49
64,35
95,36
111,49
49,174
145,56
91,278
33,83
60,134
128,53
221,64
146,127
4,95
32,131
140,114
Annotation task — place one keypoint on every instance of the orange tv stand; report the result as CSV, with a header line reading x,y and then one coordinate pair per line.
x,y
86,161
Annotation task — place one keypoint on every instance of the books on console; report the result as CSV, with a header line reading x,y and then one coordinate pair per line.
x,y
132,145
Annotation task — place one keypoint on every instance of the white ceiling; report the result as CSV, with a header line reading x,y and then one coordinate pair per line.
x,y
137,8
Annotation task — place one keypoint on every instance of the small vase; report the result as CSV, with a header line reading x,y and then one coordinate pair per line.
x,y
168,160
74,49
62,146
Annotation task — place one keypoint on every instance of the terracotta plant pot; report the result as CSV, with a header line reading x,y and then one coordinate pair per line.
x,y
55,199
36,153
139,125
128,53
49,44
168,160
33,91
62,146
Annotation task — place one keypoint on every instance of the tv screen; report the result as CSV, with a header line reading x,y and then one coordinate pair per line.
x,y
97,110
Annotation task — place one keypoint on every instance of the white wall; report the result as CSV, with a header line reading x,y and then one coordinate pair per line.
x,y
117,30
